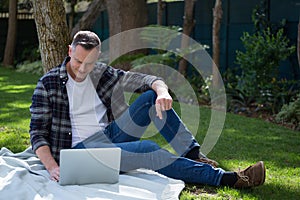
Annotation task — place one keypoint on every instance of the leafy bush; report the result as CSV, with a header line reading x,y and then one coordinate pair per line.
x,y
290,113
31,54
263,53
257,86
31,67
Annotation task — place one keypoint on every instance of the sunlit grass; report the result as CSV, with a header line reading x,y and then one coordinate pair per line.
x,y
15,98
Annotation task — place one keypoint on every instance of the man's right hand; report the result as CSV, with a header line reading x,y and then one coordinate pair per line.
x,y
54,174
49,162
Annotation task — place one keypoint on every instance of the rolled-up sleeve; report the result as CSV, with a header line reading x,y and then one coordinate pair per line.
x,y
40,117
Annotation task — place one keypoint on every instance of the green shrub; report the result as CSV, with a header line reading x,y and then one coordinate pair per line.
x,y
259,63
257,85
31,67
31,54
290,113
263,53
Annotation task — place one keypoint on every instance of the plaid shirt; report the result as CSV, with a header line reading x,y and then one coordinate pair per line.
x,y
50,118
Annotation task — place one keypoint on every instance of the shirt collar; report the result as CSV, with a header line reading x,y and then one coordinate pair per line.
x,y
63,74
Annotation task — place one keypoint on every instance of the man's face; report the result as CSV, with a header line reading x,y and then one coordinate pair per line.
x,y
82,62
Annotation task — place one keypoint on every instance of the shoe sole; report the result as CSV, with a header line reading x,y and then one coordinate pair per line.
x,y
264,172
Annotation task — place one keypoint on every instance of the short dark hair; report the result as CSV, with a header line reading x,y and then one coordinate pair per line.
x,y
87,39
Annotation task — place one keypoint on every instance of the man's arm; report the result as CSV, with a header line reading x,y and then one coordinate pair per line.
x,y
134,81
164,100
48,161
40,120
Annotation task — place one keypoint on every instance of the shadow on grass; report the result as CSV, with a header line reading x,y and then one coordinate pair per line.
x,y
16,90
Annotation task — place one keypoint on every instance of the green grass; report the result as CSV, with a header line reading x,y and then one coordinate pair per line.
x,y
242,142
15,98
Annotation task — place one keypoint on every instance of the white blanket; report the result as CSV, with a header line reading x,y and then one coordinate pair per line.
x,y
22,176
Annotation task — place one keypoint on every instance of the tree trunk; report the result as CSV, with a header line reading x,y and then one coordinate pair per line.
x,y
188,26
217,17
124,15
160,8
52,31
90,16
72,14
298,43
10,46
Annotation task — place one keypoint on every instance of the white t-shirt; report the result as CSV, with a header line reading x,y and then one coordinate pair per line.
x,y
87,112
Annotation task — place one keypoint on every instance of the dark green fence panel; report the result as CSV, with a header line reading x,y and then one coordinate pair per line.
x,y
236,20
101,26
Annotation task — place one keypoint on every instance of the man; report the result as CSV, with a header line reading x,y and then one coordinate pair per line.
x,y
80,104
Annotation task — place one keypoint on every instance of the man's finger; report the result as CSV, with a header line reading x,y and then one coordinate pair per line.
x,y
168,104
158,110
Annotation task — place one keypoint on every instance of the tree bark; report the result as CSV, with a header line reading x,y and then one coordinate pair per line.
x,y
124,15
72,14
52,31
217,17
10,46
160,8
90,16
188,26
298,43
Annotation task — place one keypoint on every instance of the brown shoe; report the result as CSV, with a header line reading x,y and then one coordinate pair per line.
x,y
208,161
252,176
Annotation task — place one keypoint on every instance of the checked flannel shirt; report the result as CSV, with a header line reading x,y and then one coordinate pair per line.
x,y
50,118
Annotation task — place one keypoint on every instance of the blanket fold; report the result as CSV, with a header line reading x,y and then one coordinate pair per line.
x,y
22,176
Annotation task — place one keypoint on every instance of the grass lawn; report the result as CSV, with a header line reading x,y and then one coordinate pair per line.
x,y
242,142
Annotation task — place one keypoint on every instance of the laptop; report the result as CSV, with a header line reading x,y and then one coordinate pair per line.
x,y
88,166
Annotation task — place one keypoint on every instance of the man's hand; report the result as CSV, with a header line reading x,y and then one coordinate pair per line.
x,y
47,159
164,100
54,173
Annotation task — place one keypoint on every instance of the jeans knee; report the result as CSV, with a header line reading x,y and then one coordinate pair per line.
x,y
150,95
149,145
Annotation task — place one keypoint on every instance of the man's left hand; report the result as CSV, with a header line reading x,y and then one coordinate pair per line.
x,y
163,103
164,100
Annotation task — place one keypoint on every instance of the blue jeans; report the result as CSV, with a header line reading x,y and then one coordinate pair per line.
x,y
126,131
